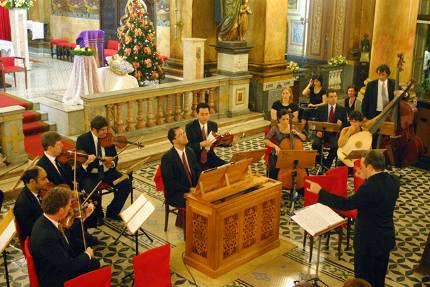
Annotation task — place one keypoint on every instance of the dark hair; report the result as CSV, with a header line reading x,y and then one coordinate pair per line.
x,y
356,115
171,134
356,282
376,159
56,198
383,68
281,113
32,173
331,92
351,87
49,139
318,77
98,123
202,106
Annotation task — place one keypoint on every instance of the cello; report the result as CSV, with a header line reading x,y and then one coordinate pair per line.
x,y
286,176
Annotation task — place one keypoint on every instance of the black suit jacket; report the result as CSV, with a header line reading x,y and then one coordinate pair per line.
x,y
64,177
175,179
86,143
53,256
194,135
339,114
27,210
370,100
375,201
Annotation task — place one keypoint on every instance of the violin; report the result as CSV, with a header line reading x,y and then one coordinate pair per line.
x,y
74,211
224,140
118,141
68,156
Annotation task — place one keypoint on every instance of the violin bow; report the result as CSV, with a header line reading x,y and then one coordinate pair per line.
x,y
126,147
75,189
31,164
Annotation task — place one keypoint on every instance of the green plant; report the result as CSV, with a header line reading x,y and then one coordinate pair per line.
x,y
293,67
10,4
337,61
82,51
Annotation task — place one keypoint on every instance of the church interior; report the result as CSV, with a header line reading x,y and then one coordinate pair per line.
x,y
199,134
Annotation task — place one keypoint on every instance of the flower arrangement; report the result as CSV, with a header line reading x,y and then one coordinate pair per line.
x,y
11,4
82,51
293,67
337,61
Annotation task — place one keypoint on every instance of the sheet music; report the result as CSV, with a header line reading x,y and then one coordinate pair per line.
x,y
210,138
137,213
7,234
315,218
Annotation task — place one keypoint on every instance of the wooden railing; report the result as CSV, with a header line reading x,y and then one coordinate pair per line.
x,y
140,108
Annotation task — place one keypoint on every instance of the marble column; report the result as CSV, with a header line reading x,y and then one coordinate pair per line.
x,y
194,49
191,19
394,32
18,27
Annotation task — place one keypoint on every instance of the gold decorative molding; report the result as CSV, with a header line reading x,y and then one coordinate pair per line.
x,y
339,28
316,27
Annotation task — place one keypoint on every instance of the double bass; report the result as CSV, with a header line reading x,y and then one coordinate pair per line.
x,y
286,175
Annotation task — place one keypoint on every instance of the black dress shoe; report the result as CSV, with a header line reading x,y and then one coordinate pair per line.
x,y
113,216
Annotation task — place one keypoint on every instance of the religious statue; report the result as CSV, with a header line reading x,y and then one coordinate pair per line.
x,y
365,49
235,20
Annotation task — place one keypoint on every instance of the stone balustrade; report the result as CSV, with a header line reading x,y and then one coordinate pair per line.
x,y
139,108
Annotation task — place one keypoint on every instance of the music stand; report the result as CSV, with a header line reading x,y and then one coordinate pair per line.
x,y
323,127
294,159
256,155
359,153
134,216
7,232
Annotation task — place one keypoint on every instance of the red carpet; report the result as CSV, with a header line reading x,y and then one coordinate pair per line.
x,y
34,148
7,100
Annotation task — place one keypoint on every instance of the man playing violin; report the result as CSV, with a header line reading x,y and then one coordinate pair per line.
x,y
101,165
54,259
27,206
198,132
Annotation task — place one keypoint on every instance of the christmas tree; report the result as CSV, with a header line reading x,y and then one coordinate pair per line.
x,y
137,43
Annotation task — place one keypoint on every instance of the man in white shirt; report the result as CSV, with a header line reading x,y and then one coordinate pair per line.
x,y
50,248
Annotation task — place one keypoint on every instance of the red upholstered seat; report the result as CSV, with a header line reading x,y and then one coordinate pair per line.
x,y
97,278
21,240
358,181
70,45
33,278
152,267
110,52
56,41
112,45
8,66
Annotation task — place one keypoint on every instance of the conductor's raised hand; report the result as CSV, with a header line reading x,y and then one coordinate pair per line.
x,y
313,186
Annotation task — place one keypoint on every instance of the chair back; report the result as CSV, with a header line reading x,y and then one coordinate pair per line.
x,y
327,182
31,267
340,172
158,179
97,278
358,181
8,61
18,233
112,44
152,267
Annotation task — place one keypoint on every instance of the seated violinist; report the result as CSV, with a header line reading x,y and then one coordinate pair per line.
x,y
57,173
274,138
27,207
331,113
198,132
54,259
101,165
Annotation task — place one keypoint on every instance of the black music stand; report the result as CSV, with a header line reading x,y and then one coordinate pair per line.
x,y
323,127
294,159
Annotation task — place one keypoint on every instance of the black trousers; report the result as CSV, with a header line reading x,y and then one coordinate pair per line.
x,y
272,170
122,190
331,140
213,161
372,266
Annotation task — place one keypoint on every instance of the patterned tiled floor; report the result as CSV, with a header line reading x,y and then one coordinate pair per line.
x,y
411,219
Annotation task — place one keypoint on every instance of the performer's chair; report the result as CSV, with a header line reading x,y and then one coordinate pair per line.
x,y
153,266
31,267
97,278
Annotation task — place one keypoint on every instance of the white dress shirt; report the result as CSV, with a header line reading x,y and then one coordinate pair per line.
x,y
52,160
379,102
180,152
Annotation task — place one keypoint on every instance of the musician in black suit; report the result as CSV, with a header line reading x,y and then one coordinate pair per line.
x,y
101,168
332,113
197,133
179,168
50,248
375,201
57,172
378,93
27,207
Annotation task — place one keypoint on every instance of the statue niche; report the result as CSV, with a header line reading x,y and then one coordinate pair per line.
x,y
234,23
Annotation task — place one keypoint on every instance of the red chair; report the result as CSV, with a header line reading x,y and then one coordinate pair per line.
x,y
55,42
18,233
97,278
152,267
112,48
358,181
32,274
159,186
310,198
351,215
7,66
